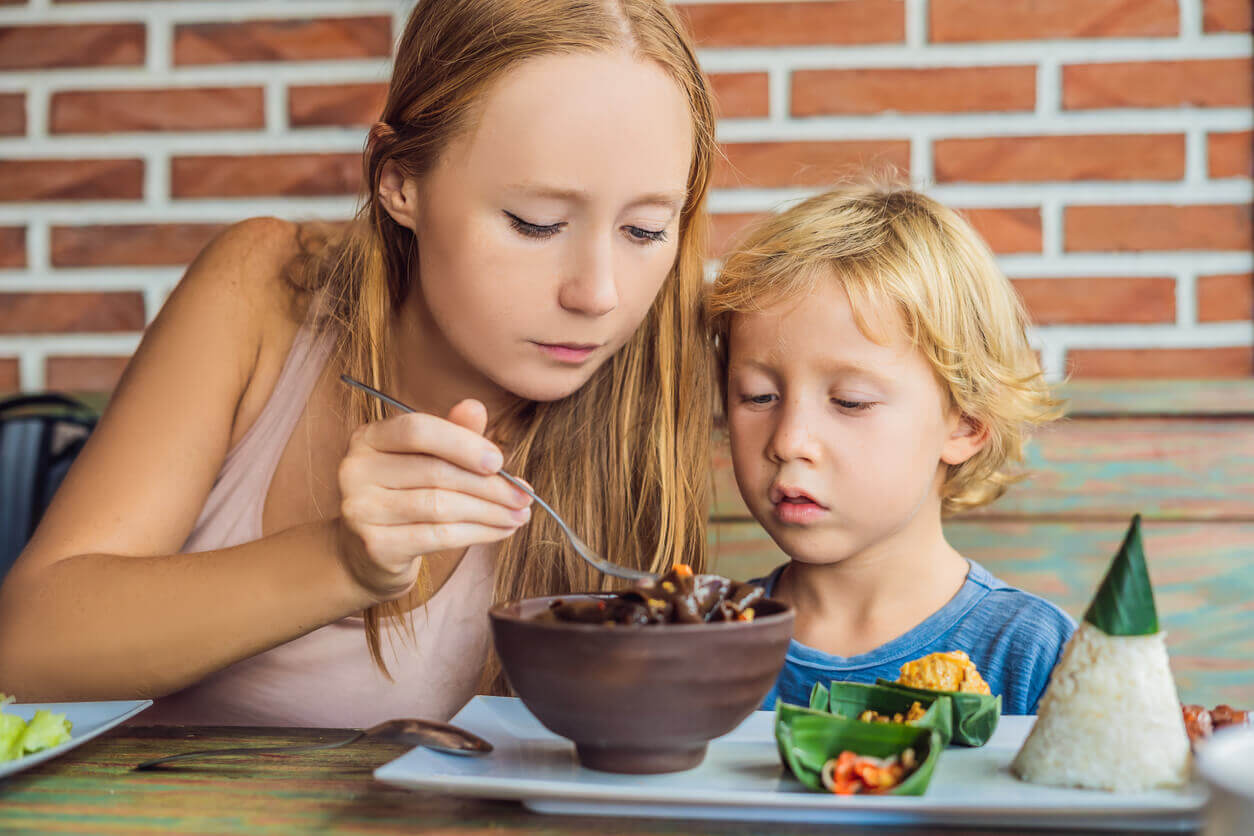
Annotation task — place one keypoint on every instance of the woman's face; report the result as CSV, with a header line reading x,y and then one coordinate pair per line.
x,y
546,230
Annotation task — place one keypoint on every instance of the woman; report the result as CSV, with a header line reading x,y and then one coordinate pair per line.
x,y
526,264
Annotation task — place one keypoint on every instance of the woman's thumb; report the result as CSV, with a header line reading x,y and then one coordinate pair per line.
x,y
471,414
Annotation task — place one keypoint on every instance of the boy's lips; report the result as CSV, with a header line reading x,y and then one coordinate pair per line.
x,y
793,505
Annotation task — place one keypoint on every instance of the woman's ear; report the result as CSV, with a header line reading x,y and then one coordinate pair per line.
x,y
967,436
399,195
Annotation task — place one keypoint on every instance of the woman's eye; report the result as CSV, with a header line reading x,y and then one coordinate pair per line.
x,y
650,235
533,230
853,406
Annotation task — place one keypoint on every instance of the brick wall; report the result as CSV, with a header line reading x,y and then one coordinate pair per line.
x,y
1102,147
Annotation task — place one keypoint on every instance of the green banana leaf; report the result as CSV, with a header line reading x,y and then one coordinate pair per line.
x,y
974,715
850,699
1124,603
808,738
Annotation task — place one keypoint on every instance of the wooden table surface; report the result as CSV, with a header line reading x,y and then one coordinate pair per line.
x,y
92,789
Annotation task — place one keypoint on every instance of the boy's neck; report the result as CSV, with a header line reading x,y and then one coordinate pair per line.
x,y
870,598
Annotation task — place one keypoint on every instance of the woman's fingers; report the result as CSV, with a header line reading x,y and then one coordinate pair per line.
x,y
406,542
421,433
432,505
400,471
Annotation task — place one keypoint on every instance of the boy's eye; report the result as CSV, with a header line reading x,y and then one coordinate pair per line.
x,y
531,230
647,235
758,400
853,406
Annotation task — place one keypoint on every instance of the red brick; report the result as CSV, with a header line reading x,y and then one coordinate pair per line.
x,y
71,45
1148,228
805,163
1226,15
1035,159
741,95
84,374
1223,82
933,90
302,175
1225,298
1161,362
13,247
726,228
9,374
1098,301
45,179
796,24
335,104
1031,20
189,109
66,313
1008,231
12,114
283,40
1229,154
141,245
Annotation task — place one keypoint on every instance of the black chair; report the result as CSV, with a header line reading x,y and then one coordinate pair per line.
x,y
40,436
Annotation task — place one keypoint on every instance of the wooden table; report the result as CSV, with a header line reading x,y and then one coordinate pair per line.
x,y
93,790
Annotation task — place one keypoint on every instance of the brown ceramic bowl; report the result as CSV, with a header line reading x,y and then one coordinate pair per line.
x,y
640,699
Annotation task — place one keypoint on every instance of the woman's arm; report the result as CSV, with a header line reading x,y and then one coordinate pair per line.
x,y
100,605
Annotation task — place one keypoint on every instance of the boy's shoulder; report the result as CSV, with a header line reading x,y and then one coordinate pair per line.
x,y
1017,610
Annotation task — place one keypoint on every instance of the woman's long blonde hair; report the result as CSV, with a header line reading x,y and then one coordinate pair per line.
x,y
892,248
626,458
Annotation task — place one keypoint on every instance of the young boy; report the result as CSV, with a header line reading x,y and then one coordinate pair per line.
x,y
877,375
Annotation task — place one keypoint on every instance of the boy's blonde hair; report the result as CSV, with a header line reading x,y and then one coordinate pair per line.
x,y
892,247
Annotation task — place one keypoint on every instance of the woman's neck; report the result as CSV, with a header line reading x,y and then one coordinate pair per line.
x,y
867,599
427,372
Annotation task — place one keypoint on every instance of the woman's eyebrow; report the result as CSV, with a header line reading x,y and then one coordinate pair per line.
x,y
672,200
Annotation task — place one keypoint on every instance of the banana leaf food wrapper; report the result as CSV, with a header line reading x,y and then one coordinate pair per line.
x,y
810,740
974,716
852,699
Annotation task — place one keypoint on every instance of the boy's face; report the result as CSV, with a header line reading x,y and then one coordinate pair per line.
x,y
840,444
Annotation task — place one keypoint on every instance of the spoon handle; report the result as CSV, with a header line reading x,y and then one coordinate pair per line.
x,y
254,750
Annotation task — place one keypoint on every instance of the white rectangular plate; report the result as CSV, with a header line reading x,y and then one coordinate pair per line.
x,y
742,778
87,719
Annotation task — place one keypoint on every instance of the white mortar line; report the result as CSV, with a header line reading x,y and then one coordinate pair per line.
x,y
276,102
1195,156
156,178
38,107
1048,88
922,165
779,89
1186,299
1051,228
160,43
38,252
916,23
191,11
1190,20
1117,335
70,344
30,368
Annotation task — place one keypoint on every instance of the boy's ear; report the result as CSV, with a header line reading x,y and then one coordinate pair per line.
x,y
398,195
967,436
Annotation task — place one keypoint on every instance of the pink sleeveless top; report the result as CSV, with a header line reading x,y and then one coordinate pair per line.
x,y
327,677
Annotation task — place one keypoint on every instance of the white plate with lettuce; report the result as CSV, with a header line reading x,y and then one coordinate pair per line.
x,y
32,733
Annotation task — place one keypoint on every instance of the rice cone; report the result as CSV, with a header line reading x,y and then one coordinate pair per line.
x,y
1110,718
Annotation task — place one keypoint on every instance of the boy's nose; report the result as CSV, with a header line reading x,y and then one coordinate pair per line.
x,y
792,439
590,289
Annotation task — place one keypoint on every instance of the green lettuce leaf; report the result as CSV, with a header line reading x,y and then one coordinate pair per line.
x,y
11,729
1124,603
44,731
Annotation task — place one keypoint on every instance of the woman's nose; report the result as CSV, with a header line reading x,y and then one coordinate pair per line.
x,y
590,289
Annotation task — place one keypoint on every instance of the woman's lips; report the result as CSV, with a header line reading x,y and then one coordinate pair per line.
x,y
570,353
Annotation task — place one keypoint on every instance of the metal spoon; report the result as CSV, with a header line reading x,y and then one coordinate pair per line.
x,y
581,548
440,737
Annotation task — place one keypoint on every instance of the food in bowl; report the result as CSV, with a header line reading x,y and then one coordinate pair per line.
x,y
678,597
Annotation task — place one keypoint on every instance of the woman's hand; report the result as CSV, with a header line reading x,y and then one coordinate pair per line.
x,y
415,484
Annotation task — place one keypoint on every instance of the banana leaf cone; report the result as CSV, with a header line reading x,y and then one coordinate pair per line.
x,y
1124,603
974,715
850,699
809,738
